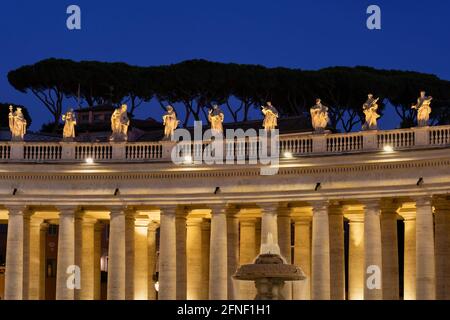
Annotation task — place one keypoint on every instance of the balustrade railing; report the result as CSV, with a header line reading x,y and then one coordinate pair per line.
x,y
245,148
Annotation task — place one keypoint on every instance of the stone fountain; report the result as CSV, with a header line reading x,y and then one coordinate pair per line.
x,y
269,271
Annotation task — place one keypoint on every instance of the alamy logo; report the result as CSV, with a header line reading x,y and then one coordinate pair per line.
x,y
74,279
237,147
374,20
374,278
73,21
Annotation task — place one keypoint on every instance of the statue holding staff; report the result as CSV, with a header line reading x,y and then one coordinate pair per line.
x,y
370,108
423,109
69,125
119,124
215,117
17,124
270,116
170,122
319,116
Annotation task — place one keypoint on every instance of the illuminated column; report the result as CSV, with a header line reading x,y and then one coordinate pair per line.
x,y
167,255
35,262
141,266
66,252
442,228
320,264
206,235
98,228
284,240
356,273
390,253
116,254
409,265
233,255
43,266
247,253
194,258
425,263
14,253
372,251
269,221
181,255
218,254
302,256
87,291
337,264
26,256
152,267
129,255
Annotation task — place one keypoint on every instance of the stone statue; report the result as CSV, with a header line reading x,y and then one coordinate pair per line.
x,y
423,109
17,124
216,116
69,125
319,116
170,122
270,116
370,108
119,124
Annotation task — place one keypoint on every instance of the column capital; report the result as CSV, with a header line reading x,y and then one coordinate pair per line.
x,y
217,209
194,222
67,210
268,207
442,205
247,221
17,209
423,201
117,210
319,206
355,218
371,205
168,209
152,226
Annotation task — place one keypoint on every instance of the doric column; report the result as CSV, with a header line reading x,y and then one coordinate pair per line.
x,y
320,265
181,254
116,254
43,265
26,255
14,253
152,268
206,235
442,229
247,253
66,252
129,254
425,263
372,250
218,254
284,241
337,264
35,261
98,228
167,254
356,274
87,259
409,264
269,221
194,259
233,255
389,251
142,275
302,256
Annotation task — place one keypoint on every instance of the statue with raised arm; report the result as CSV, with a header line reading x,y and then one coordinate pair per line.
x,y
423,109
370,108
119,124
17,124
319,116
69,125
270,116
215,117
170,122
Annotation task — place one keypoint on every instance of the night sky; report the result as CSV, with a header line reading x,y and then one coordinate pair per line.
x,y
308,34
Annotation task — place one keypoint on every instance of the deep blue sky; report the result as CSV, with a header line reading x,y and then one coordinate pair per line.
x,y
307,34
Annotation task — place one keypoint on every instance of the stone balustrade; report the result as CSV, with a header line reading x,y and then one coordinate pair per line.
x,y
297,144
